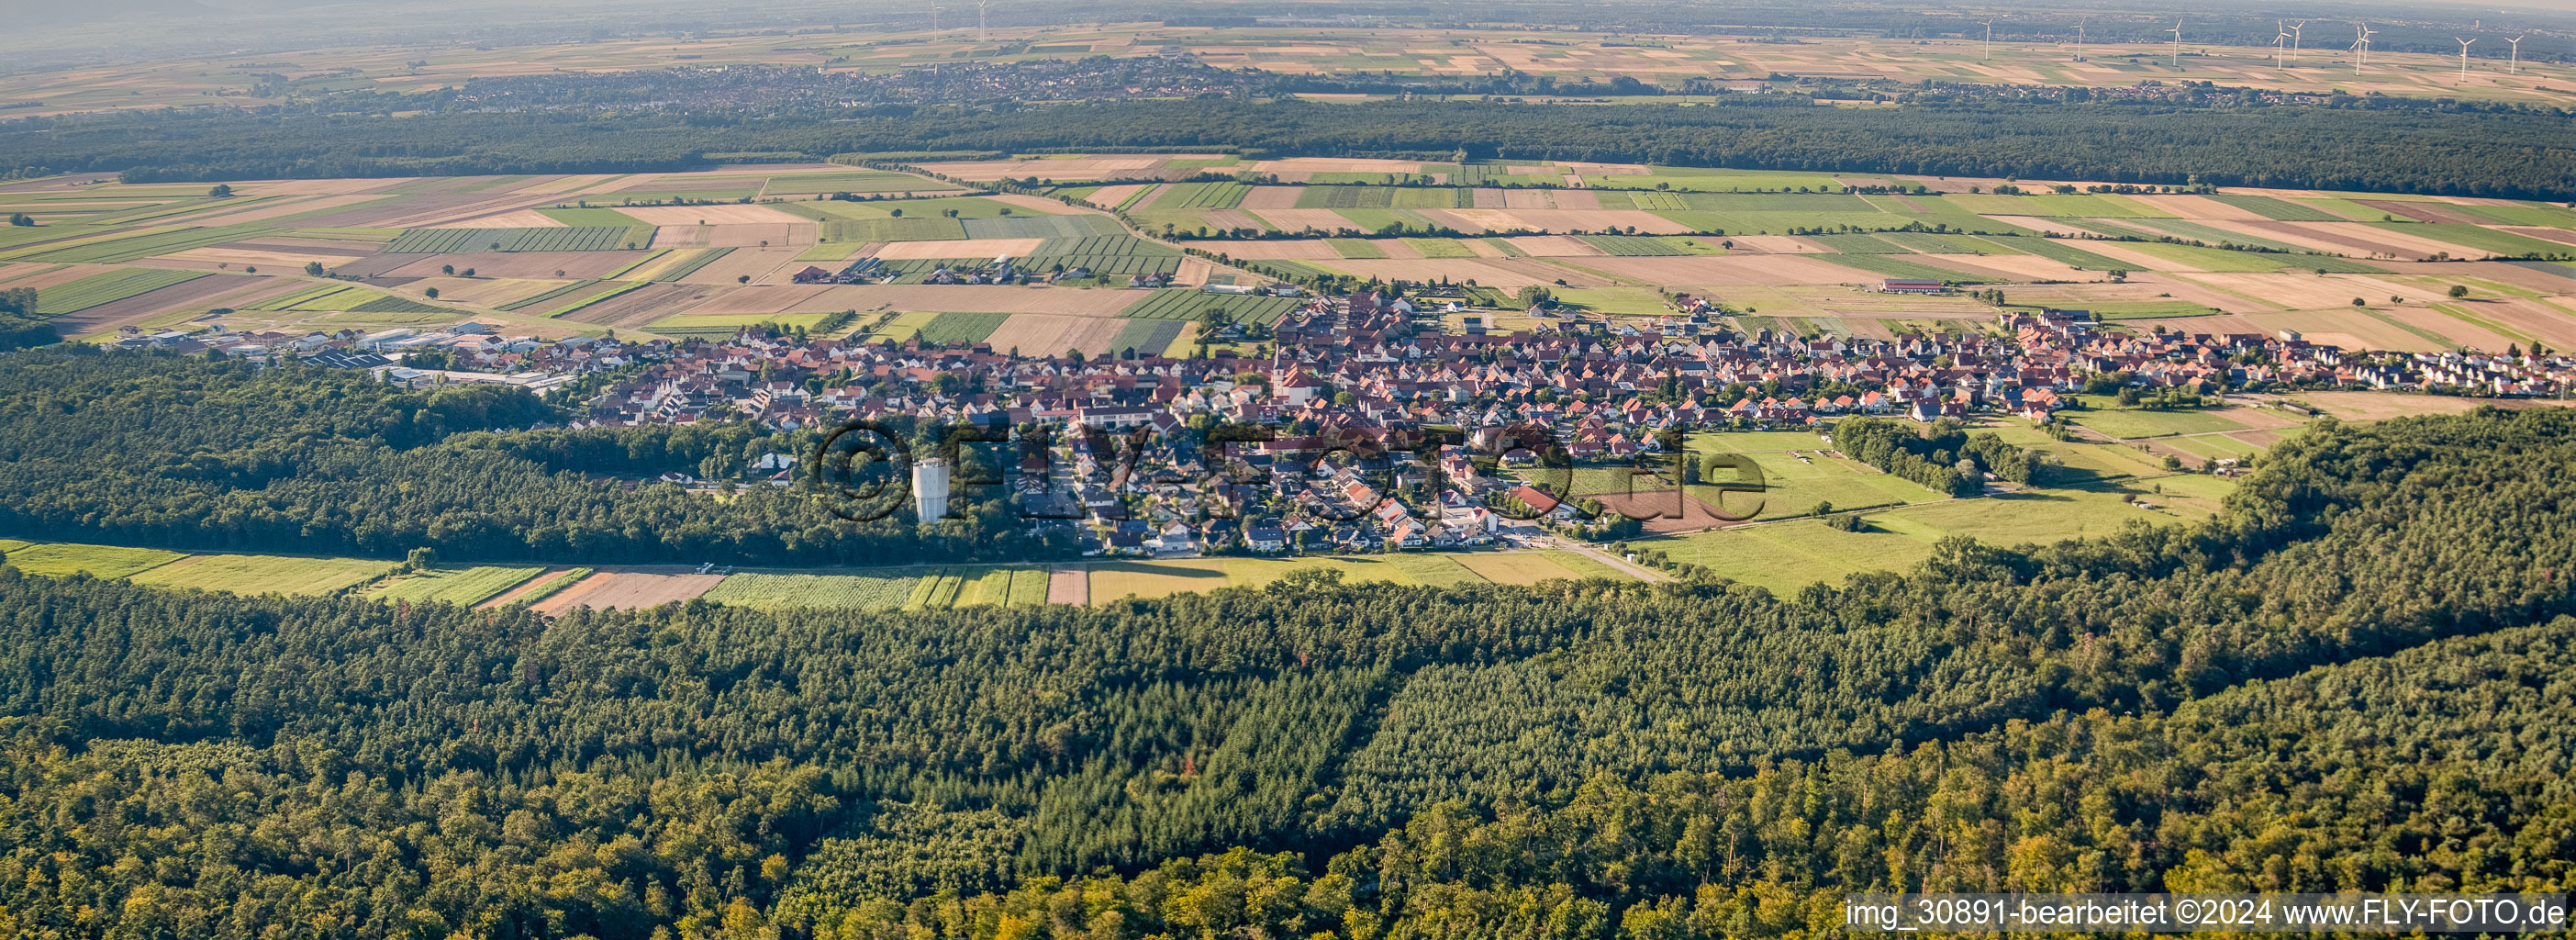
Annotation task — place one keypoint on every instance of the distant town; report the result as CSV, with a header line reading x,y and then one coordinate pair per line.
x,y
1365,365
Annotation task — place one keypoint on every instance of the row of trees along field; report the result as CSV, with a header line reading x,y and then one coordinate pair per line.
x,y
1943,457
2356,677
193,453
2367,147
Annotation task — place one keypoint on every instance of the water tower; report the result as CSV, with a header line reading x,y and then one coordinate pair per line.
x,y
930,489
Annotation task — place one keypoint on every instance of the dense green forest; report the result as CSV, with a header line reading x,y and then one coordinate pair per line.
x,y
2366,147
2356,677
197,453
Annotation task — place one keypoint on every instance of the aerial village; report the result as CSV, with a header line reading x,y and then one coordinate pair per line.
x,y
1362,367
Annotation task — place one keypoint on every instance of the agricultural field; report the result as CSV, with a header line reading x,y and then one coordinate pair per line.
x,y
537,588
627,590
595,293
1179,304
1789,251
1111,581
840,591
60,559
436,241
978,586
961,327
264,574
464,587
717,325
2131,423
104,288
1522,567
1785,556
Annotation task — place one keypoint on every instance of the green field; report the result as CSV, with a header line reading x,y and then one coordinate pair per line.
x,y
1585,566
1435,570
1149,579
961,327
907,229
1713,180
1860,244
2061,251
463,587
1438,247
101,561
526,302
1147,337
1633,246
1003,587
846,591
105,288
854,181
1797,475
264,574
608,289
1893,266
1386,197
2212,259
1786,556
2481,238
2150,310
120,246
2130,423
1186,304
569,238
1103,245
344,297
1628,301
1200,196
1521,567
2281,210
1043,226
704,257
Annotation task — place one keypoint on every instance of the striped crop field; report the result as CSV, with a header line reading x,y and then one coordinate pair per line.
x,y
110,287
433,241
1182,304
459,586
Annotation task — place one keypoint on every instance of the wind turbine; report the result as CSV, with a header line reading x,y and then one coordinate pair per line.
x,y
2294,35
2361,46
2280,47
2177,52
980,33
2464,57
2517,53
934,18
1990,40
2079,40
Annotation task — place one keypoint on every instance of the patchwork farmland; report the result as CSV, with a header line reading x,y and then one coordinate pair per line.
x,y
551,255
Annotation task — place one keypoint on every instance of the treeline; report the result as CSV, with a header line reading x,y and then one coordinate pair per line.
x,y
2521,155
1523,759
1942,456
208,454
20,327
